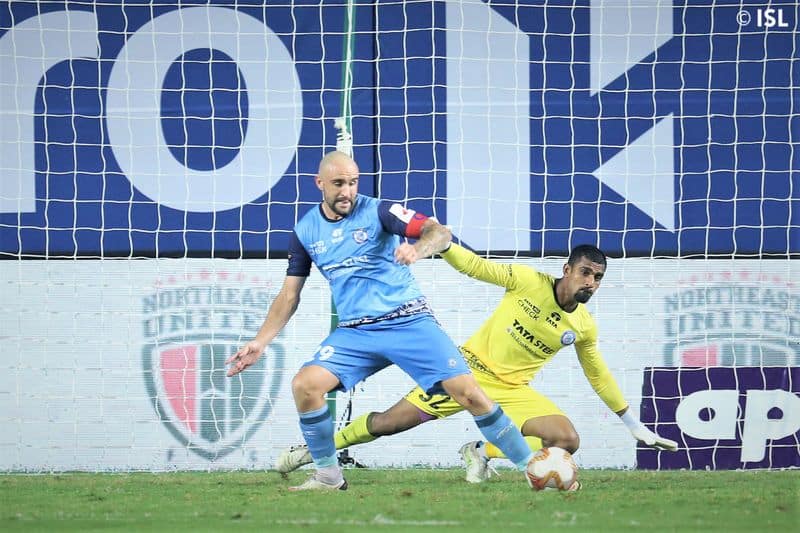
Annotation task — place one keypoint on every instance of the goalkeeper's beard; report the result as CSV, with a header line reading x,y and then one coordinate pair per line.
x,y
582,296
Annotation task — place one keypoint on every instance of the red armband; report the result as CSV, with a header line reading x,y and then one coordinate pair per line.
x,y
414,228
411,218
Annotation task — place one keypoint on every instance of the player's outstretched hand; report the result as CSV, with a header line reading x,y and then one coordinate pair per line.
x,y
406,254
644,435
246,356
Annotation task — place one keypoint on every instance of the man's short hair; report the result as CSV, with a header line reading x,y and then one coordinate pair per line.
x,y
592,253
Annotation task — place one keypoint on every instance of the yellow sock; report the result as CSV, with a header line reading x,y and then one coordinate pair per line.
x,y
493,452
355,432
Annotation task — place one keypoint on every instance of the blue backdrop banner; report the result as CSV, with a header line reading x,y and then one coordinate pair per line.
x,y
148,129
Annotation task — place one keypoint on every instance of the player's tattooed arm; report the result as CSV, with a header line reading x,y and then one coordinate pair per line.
x,y
435,238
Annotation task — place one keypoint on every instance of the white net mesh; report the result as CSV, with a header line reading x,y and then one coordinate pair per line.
x,y
155,157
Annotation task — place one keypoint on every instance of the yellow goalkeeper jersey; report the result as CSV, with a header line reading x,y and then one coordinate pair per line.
x,y
528,327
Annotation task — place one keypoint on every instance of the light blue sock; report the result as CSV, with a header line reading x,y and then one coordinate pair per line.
x,y
501,431
317,428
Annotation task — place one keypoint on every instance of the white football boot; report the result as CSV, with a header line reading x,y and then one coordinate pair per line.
x,y
314,483
293,458
478,469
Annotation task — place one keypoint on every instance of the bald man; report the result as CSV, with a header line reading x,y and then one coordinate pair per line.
x,y
359,245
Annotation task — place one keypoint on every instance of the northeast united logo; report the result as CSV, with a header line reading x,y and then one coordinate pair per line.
x,y
733,319
192,324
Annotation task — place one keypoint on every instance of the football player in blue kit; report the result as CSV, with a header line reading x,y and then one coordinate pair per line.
x,y
358,244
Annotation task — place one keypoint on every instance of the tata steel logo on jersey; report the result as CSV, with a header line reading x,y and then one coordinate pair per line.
x,y
737,318
192,323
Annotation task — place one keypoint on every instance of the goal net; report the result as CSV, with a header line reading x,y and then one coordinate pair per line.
x,y
156,156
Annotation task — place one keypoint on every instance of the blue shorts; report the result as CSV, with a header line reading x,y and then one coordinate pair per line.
x,y
416,343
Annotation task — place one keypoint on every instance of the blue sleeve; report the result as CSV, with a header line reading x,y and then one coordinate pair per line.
x,y
399,220
299,260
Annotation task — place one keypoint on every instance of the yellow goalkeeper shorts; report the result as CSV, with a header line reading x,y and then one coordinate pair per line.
x,y
519,402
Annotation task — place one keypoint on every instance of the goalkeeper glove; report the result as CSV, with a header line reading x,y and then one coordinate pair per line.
x,y
644,435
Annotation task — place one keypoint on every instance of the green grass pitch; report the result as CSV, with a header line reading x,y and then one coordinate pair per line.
x,y
401,500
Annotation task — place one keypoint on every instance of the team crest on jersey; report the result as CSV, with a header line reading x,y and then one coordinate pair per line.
x,y
190,329
568,337
360,236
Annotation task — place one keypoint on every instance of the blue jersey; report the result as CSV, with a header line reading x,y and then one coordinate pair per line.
x,y
356,255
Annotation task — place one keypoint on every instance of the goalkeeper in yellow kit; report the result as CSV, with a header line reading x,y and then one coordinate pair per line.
x,y
537,316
